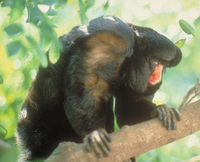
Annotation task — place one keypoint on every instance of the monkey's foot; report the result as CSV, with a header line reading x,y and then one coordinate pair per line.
x,y
98,140
168,115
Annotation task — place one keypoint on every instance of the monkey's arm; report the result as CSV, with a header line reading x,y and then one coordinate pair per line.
x,y
132,109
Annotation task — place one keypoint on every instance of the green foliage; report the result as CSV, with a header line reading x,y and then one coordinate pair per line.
x,y
82,12
37,49
3,132
42,21
1,79
54,51
188,29
35,16
52,12
9,154
16,8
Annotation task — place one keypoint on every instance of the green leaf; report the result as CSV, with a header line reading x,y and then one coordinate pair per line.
x,y
48,2
54,52
45,42
180,43
82,12
3,132
15,14
14,29
197,21
46,28
7,3
54,23
38,50
34,15
186,27
16,9
52,12
106,5
61,3
14,47
1,79
89,3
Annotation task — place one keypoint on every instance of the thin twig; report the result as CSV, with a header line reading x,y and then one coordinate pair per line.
x,y
193,91
194,159
195,95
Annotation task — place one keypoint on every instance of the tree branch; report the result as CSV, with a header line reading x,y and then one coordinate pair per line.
x,y
192,93
134,140
137,139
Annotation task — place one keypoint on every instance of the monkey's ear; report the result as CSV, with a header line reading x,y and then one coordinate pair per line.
x,y
142,43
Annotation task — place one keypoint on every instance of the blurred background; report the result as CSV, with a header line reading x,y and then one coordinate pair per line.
x,y
29,28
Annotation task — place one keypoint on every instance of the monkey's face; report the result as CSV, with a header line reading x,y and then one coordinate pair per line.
x,y
153,53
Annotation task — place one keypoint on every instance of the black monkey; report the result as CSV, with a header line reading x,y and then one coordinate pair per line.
x,y
143,77
72,100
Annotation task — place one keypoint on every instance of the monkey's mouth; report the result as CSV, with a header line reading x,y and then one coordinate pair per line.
x,y
156,76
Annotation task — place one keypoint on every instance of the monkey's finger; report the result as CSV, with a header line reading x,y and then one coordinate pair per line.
x,y
178,115
173,120
168,117
164,115
169,123
102,147
87,143
96,146
106,135
160,116
105,141
98,137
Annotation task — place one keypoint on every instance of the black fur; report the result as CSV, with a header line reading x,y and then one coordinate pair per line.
x,y
73,97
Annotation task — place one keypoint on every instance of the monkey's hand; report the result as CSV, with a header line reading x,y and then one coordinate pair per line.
x,y
99,141
168,115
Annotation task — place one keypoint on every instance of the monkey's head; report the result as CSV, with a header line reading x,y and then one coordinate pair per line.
x,y
153,53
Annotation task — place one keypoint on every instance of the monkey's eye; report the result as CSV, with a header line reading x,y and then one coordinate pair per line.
x,y
156,64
